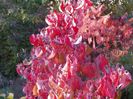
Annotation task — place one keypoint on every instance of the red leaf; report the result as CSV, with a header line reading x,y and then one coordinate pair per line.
x,y
62,7
36,40
106,88
43,94
33,39
90,71
75,83
55,32
67,41
101,62
89,2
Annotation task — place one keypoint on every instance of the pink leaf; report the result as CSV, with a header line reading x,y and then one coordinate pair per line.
x,y
38,52
52,55
78,41
51,19
69,9
80,4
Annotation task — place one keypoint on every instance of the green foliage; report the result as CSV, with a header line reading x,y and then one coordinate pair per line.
x,y
128,92
128,59
18,19
118,7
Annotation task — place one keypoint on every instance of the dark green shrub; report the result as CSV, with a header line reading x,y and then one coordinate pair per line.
x,y
18,19
118,7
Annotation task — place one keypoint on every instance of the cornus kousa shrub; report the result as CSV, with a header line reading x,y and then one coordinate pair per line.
x,y
69,57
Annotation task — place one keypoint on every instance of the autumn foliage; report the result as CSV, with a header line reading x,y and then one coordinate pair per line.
x,y
70,57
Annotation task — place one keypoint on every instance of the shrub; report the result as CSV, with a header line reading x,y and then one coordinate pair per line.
x,y
118,7
70,57
18,19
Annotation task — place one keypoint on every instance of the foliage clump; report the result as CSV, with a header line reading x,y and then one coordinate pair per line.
x,y
70,57
18,19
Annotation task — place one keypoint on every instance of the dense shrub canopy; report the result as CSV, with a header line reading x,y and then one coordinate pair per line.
x,y
21,18
70,57
18,19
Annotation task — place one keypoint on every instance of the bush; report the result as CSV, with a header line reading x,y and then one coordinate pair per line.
x,y
118,7
19,18
70,57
